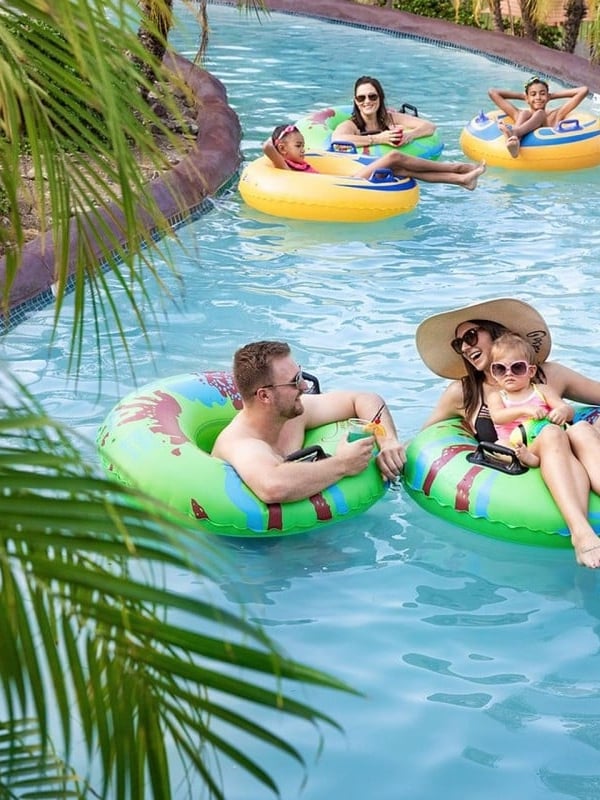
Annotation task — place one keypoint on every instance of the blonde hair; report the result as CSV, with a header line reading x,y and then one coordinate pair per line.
x,y
512,341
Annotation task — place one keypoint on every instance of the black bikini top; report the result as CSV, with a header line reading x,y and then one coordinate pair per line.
x,y
484,427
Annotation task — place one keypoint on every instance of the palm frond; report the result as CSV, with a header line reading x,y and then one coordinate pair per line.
x,y
98,649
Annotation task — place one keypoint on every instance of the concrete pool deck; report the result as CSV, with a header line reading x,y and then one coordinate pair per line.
x,y
215,159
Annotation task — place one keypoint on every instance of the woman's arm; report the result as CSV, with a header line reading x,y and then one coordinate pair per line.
x,y
572,385
348,132
412,127
449,405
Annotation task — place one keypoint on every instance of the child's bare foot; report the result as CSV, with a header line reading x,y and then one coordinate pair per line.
x,y
470,178
527,458
513,145
587,550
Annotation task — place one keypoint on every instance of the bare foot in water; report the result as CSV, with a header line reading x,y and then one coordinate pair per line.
x,y
471,177
587,550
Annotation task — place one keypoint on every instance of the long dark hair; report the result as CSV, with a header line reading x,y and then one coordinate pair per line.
x,y
382,112
472,382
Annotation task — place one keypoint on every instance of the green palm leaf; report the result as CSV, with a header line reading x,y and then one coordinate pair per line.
x,y
111,683
101,650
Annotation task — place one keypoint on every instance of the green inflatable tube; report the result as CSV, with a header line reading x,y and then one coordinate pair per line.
x,y
158,439
440,478
318,127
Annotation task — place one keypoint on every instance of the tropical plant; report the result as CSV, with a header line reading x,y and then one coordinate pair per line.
x,y
107,676
528,23
153,33
574,16
96,650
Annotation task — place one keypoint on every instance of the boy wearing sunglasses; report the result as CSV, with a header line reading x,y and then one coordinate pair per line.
x,y
520,408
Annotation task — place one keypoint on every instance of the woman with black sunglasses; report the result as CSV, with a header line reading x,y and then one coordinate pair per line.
x,y
457,344
372,123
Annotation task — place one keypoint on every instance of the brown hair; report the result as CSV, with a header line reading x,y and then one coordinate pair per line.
x,y
382,112
252,365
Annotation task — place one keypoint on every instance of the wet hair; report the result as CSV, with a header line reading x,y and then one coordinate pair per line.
x,y
252,365
382,112
512,342
533,81
472,382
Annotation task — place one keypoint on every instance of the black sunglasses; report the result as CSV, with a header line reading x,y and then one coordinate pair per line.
x,y
360,98
296,381
469,338
517,368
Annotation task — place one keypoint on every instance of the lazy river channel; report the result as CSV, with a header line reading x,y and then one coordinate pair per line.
x,y
478,659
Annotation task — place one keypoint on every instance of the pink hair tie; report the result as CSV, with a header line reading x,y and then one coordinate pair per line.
x,y
285,131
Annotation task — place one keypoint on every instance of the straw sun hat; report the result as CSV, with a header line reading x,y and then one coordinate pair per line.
x,y
435,333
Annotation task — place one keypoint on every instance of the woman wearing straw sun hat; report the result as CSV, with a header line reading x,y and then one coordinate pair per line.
x,y
456,344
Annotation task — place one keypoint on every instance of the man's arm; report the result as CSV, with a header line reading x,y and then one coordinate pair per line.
x,y
334,406
274,480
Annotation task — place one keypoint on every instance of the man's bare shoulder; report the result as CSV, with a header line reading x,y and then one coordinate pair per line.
x,y
235,435
239,444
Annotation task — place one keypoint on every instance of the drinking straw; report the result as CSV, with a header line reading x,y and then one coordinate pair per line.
x,y
377,418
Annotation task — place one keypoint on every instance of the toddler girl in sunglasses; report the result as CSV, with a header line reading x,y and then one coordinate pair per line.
x,y
520,405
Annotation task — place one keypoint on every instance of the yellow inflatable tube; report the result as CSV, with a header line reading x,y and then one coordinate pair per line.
x,y
573,144
332,195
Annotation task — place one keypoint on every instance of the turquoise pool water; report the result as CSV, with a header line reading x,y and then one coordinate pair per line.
x,y
478,659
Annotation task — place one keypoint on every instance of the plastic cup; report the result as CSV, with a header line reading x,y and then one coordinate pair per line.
x,y
357,429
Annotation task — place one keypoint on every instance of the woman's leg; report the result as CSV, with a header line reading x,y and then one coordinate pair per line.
x,y
569,485
457,173
585,444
